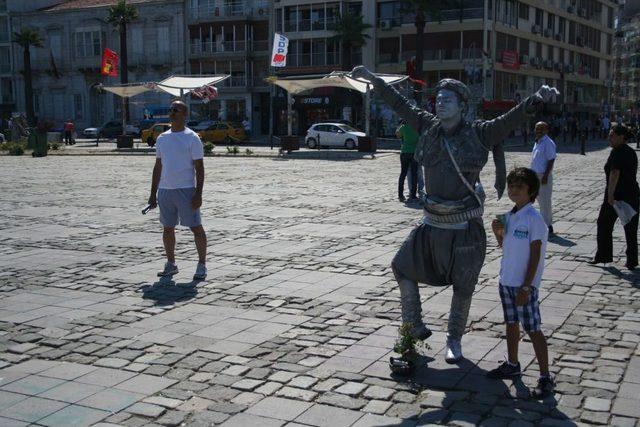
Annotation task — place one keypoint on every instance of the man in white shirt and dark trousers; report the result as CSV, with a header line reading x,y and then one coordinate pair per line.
x,y
542,160
178,178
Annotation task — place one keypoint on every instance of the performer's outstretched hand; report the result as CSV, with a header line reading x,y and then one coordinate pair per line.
x,y
362,73
547,94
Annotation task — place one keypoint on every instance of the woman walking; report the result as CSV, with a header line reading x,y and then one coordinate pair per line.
x,y
620,170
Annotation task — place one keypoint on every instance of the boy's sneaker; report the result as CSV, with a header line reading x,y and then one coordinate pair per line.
x,y
201,272
544,388
169,269
505,371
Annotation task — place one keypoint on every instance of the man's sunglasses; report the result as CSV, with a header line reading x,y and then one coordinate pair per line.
x,y
175,110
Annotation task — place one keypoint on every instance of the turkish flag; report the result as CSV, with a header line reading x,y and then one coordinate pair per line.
x,y
109,65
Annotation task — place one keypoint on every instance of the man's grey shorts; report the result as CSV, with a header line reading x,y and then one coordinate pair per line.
x,y
175,204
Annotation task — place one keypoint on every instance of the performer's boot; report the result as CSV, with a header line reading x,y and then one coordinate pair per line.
x,y
460,305
412,309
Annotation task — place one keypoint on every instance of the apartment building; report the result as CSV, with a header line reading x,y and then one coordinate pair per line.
x,y
66,70
626,86
7,97
503,49
232,37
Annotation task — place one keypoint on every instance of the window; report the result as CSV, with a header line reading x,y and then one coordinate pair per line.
x,y
164,45
5,60
136,41
4,29
78,109
3,5
539,17
6,89
388,50
88,43
523,12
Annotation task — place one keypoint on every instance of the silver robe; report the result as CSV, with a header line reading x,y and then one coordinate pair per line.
x,y
441,256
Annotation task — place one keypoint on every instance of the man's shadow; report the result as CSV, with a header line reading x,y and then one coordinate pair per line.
x,y
561,241
466,379
632,277
166,291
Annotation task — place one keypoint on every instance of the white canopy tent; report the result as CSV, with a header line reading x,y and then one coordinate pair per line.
x,y
295,85
174,85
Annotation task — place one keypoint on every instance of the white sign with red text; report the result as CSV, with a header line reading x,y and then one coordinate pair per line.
x,y
280,49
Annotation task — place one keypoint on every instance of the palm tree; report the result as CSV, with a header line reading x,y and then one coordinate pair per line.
x,y
421,9
350,33
119,16
27,38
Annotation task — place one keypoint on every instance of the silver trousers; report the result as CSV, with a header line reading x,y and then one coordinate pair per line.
x,y
544,199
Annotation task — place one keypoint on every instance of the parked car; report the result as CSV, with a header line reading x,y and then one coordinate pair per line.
x,y
333,135
201,125
151,135
111,129
227,132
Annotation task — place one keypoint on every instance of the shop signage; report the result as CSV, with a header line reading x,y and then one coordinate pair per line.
x,y
510,60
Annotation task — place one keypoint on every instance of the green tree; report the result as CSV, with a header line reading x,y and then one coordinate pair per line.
x,y
120,15
350,33
28,38
421,9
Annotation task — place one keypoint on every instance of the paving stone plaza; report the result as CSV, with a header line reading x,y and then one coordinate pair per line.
x,y
295,323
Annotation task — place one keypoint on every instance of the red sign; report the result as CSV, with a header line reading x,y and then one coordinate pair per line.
x,y
510,60
109,65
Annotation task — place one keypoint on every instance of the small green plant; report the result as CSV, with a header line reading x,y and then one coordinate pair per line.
x,y
233,150
406,345
208,147
15,148
248,152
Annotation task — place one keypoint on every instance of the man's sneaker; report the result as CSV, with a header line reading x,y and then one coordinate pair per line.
x,y
201,272
504,371
453,351
169,269
544,388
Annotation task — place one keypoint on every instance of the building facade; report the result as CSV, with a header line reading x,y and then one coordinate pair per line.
x,y
7,97
232,37
503,49
626,86
66,70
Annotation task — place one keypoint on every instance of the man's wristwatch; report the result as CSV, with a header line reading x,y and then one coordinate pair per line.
x,y
526,288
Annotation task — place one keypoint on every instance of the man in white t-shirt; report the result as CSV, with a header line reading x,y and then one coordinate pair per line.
x,y
178,178
543,157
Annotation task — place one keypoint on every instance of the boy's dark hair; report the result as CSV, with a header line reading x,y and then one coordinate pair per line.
x,y
525,176
622,130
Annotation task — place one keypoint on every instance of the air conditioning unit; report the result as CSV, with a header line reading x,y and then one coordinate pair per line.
x,y
386,24
536,29
558,37
548,32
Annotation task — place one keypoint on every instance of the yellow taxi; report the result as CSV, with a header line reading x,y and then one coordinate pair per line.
x,y
150,135
227,132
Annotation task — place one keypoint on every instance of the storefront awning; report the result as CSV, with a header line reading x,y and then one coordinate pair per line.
x,y
127,91
298,84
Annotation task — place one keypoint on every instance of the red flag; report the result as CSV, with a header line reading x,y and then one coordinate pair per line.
x,y
109,63
411,72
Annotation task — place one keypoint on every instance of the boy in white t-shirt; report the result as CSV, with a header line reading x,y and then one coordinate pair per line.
x,y
523,237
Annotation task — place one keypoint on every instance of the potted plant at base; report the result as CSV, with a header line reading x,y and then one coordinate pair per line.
x,y
405,346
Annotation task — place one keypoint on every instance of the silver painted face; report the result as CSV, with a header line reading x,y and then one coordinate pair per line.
x,y
447,105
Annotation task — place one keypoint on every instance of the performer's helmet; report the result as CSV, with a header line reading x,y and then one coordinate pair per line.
x,y
455,86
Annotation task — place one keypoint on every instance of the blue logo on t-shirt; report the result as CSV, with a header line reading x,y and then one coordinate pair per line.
x,y
521,233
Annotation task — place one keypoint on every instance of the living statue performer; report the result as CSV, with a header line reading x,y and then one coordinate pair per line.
x,y
448,247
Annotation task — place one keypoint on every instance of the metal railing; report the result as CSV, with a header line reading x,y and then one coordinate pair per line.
x,y
260,46
236,9
208,48
310,24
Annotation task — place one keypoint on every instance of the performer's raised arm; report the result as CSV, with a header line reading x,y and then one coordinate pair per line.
x,y
417,118
494,131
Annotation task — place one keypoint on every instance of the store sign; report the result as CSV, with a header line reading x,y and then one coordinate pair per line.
x,y
280,49
510,60
315,101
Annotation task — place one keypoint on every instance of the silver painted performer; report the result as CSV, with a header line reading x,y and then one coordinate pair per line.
x,y
448,247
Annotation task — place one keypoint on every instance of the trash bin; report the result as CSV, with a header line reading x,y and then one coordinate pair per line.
x,y
367,144
37,141
125,141
290,143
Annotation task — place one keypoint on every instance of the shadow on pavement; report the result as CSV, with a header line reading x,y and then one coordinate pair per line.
x,y
466,378
561,241
166,291
632,277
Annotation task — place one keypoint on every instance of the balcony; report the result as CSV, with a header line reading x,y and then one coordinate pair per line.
x,y
260,46
5,67
239,9
313,60
5,37
207,48
328,24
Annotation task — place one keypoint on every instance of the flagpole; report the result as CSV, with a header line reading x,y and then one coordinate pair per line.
x,y
271,93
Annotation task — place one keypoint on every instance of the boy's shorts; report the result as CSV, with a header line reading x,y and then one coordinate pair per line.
x,y
175,204
528,315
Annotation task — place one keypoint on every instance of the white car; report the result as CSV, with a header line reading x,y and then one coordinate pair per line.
x,y
333,135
